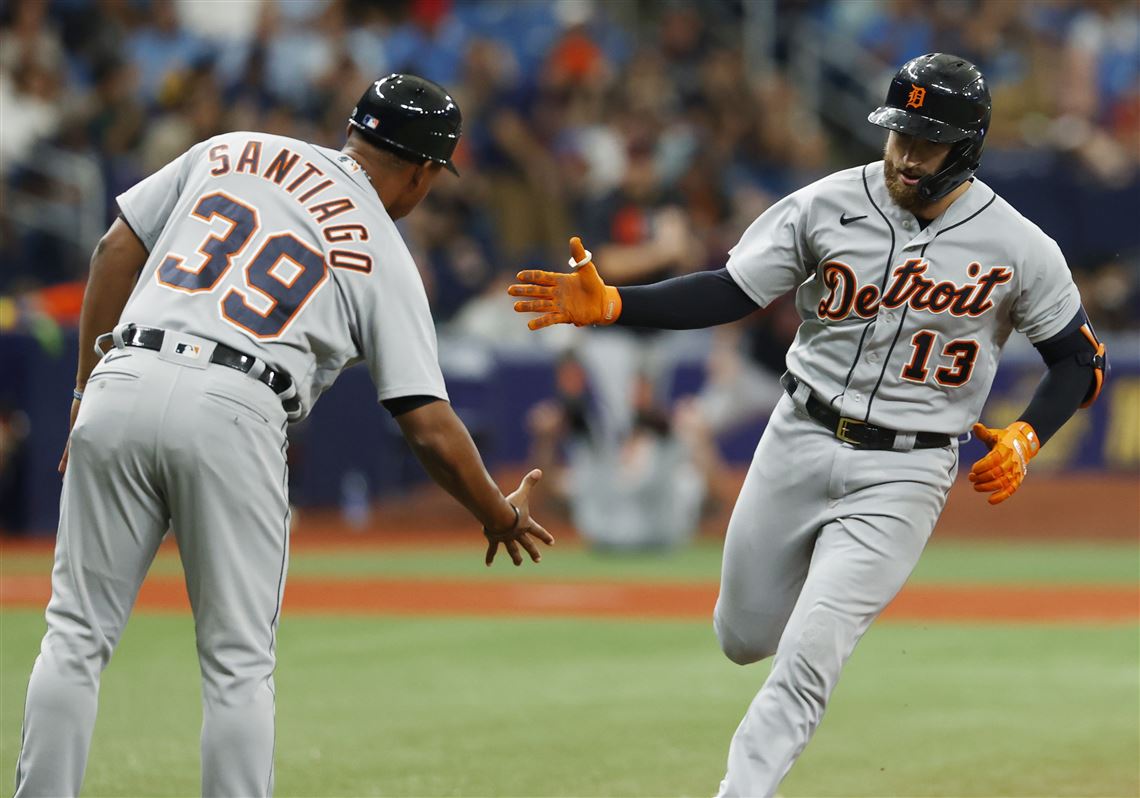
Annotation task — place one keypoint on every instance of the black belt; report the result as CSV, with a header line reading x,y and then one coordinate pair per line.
x,y
858,433
278,381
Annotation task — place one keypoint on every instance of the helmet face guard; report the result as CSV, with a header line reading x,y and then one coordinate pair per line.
x,y
940,98
411,116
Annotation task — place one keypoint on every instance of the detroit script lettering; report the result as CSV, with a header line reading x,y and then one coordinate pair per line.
x,y
909,286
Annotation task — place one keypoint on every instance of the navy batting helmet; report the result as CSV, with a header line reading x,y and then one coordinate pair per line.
x,y
411,116
941,98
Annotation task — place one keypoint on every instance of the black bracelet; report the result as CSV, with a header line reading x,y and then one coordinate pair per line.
x,y
518,517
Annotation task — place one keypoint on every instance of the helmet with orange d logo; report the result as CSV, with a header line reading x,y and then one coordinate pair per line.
x,y
941,98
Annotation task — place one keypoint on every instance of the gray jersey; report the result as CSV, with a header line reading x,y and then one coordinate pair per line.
x,y
903,326
281,249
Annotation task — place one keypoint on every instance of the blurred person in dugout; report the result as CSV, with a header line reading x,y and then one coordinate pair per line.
x,y
649,236
642,491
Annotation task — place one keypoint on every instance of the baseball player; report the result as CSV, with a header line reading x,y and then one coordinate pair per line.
x,y
238,282
909,275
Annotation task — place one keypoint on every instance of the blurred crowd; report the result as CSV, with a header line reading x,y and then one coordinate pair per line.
x,y
655,129
638,125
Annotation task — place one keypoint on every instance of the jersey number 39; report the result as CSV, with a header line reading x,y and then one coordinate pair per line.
x,y
279,279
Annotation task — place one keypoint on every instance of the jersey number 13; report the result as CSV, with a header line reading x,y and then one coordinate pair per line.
x,y
962,354
280,277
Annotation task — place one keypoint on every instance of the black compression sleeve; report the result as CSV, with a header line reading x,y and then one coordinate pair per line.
x,y
689,302
1067,382
1057,397
405,404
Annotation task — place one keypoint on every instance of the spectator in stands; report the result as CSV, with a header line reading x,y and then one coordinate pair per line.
x,y
898,31
566,119
161,49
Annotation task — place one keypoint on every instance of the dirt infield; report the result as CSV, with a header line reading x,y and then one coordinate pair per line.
x,y
629,600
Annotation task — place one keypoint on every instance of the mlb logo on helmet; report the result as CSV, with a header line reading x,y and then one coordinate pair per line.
x,y
190,350
371,122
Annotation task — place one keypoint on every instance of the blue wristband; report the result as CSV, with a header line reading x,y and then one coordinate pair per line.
x,y
77,394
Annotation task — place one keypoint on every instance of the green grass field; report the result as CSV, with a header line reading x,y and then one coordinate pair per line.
x,y
542,707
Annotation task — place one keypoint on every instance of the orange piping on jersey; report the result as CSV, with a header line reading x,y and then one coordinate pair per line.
x,y
353,261
220,153
964,352
248,284
314,191
323,211
179,262
1098,373
336,233
281,165
840,281
909,286
250,160
308,172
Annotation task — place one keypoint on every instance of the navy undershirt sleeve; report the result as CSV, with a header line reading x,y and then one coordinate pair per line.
x,y
1066,384
689,302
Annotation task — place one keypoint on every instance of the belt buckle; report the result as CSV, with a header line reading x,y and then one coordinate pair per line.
x,y
846,424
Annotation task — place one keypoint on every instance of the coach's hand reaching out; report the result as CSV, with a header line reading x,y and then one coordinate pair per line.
x,y
578,297
444,447
523,530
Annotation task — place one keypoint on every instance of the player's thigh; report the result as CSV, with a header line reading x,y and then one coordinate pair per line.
x,y
112,518
772,533
227,484
869,547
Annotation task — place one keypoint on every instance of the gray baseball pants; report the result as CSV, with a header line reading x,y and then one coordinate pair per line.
x,y
821,539
166,440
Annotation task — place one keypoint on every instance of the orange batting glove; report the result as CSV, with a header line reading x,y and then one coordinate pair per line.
x,y
1001,471
577,298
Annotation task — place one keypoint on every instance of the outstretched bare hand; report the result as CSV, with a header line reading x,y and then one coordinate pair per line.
x,y
524,531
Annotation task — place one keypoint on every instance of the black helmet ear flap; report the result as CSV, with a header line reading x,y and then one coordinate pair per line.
x,y
961,162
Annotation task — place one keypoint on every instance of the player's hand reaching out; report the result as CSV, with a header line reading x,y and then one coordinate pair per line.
x,y
579,297
1001,471
524,531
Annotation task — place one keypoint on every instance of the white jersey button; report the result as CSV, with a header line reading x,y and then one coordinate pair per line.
x,y
858,397
873,357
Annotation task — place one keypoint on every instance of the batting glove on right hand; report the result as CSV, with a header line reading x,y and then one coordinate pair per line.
x,y
1001,472
577,298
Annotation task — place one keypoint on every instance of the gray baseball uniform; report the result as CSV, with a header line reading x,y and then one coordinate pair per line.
x,y
902,328
280,250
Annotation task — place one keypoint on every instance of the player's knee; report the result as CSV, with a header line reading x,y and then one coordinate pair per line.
x,y
239,680
741,649
78,658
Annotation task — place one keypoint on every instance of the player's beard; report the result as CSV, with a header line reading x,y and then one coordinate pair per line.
x,y
906,197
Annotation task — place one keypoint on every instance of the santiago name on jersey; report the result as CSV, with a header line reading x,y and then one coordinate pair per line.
x,y
281,249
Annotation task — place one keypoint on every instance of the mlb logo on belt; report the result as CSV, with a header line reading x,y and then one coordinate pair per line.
x,y
190,350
